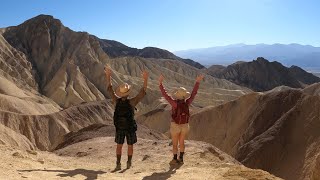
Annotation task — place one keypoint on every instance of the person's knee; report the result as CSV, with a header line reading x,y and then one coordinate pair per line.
x,y
175,146
119,146
175,143
119,149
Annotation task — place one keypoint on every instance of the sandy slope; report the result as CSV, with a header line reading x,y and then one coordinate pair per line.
x,y
46,131
94,158
11,138
19,91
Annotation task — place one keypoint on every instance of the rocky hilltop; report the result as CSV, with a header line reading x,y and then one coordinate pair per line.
x,y
262,75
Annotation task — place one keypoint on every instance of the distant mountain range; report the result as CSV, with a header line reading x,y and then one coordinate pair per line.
x,y
305,56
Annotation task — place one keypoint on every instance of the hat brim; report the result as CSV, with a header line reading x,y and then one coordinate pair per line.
x,y
120,94
182,96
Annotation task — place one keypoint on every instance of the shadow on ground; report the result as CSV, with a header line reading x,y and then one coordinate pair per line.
x,y
89,174
163,175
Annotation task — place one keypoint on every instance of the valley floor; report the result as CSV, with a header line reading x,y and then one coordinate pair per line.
x,y
94,159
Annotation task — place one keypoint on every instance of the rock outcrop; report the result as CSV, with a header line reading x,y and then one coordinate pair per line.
x,y
262,75
277,132
57,54
45,132
10,138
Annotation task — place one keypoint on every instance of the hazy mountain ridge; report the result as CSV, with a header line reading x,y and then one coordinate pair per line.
x,y
116,49
304,56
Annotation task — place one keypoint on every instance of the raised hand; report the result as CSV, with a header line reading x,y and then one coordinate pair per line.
x,y
108,72
199,78
161,78
145,75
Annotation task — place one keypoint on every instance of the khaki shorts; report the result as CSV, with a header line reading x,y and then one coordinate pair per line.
x,y
179,128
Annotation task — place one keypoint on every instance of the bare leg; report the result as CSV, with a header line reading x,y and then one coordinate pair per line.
x,y
118,152
130,153
130,150
182,137
175,139
175,132
119,149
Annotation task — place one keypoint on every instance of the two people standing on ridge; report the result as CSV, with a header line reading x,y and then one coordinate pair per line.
x,y
125,123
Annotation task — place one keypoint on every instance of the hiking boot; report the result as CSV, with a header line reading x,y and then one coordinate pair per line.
x,y
180,161
129,163
174,162
118,167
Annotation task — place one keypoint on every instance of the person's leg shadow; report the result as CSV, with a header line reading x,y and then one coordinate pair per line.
x,y
89,174
163,175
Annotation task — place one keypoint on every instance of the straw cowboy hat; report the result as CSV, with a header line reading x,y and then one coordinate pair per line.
x,y
181,93
123,90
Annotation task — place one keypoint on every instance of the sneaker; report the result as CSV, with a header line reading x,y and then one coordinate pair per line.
x,y
129,163
174,162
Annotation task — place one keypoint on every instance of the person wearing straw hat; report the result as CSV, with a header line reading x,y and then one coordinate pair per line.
x,y
179,127
123,117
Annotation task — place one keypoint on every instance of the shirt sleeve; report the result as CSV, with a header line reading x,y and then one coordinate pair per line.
x,y
112,94
194,93
134,101
166,96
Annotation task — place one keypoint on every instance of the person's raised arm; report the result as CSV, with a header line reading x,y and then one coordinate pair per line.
x,y
134,101
107,72
145,76
164,92
195,89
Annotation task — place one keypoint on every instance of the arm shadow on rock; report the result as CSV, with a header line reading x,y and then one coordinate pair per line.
x,y
89,174
163,175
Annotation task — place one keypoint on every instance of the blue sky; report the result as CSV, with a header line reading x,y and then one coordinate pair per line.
x,y
179,24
